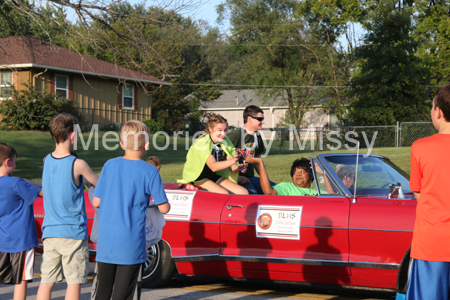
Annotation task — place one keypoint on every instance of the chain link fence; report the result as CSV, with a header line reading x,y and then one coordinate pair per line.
x,y
412,131
332,138
312,138
287,140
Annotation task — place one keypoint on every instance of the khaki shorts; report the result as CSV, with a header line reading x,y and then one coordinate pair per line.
x,y
65,256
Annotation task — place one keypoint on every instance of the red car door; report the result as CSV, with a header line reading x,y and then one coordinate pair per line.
x,y
318,246
380,234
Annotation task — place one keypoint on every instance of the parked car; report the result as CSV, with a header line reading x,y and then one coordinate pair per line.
x,y
354,236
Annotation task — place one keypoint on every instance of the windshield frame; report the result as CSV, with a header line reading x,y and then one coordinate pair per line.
x,y
325,158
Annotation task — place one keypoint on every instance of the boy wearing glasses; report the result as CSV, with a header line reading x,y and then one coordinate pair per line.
x,y
248,137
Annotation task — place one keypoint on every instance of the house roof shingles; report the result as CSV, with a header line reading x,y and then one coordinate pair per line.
x,y
19,50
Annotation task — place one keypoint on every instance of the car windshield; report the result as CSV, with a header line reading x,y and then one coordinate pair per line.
x,y
374,174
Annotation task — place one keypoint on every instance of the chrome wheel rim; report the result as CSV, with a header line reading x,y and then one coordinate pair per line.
x,y
151,260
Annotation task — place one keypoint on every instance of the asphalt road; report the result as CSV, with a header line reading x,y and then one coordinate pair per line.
x,y
184,287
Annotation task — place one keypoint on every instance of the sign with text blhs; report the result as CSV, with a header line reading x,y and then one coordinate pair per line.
x,y
278,222
180,205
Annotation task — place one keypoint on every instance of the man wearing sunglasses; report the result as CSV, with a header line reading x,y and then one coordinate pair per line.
x,y
248,137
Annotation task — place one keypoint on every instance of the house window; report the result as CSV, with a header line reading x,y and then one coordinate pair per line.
x,y
128,96
6,82
62,86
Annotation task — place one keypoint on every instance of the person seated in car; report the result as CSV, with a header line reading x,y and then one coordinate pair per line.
x,y
301,175
346,174
211,161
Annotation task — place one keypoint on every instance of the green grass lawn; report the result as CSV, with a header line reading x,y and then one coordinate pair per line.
x,y
33,146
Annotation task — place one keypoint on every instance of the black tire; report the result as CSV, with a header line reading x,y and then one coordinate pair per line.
x,y
159,266
402,277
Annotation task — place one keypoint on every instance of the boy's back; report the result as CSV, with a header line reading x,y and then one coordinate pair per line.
x,y
65,213
64,230
429,272
17,227
125,187
430,164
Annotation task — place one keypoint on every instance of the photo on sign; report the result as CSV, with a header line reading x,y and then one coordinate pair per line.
x,y
264,221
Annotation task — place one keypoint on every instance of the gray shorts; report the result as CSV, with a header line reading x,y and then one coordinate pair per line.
x,y
66,257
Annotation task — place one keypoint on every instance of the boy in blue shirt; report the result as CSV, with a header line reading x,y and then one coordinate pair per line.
x,y
64,230
122,194
17,228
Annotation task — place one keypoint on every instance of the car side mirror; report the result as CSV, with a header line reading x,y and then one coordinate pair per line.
x,y
396,188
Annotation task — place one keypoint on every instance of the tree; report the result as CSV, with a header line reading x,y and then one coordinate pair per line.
x,y
179,44
389,83
14,23
88,14
432,33
281,52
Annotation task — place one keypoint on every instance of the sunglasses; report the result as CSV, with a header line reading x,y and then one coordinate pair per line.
x,y
258,118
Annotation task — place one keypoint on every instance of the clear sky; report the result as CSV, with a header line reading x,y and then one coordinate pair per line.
x,y
206,10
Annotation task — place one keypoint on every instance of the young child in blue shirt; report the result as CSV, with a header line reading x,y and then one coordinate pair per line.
x,y
64,230
122,195
17,228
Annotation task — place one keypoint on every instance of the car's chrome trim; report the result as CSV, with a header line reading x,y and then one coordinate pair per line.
x,y
372,265
194,258
376,229
332,196
298,261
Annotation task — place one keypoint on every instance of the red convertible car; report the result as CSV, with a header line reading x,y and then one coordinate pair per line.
x,y
354,236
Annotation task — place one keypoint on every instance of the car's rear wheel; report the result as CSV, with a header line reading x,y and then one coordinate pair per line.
x,y
402,277
159,266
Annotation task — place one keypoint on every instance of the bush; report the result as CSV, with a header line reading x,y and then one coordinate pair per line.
x,y
152,125
30,110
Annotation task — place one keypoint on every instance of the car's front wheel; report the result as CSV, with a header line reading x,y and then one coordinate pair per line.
x,y
159,266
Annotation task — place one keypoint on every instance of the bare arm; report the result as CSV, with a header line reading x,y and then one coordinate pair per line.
x,y
164,208
217,166
81,168
325,177
96,202
417,195
257,168
263,177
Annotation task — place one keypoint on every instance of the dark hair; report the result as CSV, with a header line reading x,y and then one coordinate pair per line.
x,y
442,100
153,160
344,171
302,163
6,151
251,110
214,120
61,126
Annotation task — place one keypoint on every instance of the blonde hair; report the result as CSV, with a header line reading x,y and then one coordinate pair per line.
x,y
153,160
214,120
134,135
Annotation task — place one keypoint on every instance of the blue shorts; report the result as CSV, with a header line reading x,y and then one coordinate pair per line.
x,y
429,280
